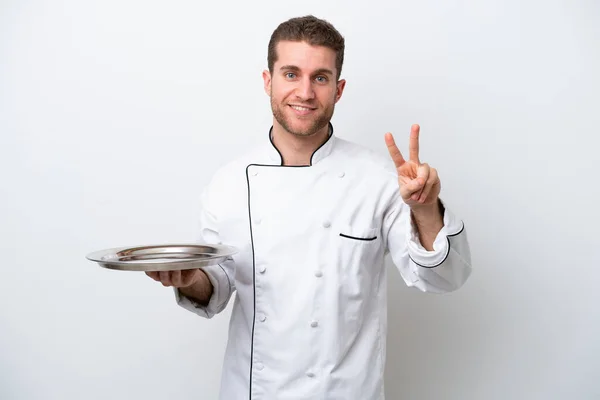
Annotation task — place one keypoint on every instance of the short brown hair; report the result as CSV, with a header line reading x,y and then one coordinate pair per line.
x,y
314,31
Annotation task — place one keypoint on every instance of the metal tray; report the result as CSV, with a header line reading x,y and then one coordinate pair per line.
x,y
169,257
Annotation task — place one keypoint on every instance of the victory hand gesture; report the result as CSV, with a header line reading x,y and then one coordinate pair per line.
x,y
419,183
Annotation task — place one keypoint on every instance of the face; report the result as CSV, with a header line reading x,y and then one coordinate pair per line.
x,y
303,87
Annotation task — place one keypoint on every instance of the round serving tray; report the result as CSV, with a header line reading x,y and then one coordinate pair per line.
x,y
169,257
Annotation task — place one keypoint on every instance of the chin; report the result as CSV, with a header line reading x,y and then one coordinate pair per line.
x,y
302,130
297,125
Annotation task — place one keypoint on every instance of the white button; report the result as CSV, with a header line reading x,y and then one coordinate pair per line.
x,y
262,269
263,318
341,174
314,324
257,221
326,224
259,366
318,274
310,374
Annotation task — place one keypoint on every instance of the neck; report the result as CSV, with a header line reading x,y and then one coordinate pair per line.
x,y
297,150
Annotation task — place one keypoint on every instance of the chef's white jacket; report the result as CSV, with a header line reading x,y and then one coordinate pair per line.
x,y
309,315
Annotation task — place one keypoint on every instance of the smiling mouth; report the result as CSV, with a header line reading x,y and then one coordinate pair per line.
x,y
302,110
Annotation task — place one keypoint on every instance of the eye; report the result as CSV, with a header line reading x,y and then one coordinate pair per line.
x,y
321,79
290,75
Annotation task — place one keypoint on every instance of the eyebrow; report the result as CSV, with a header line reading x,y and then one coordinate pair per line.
x,y
296,69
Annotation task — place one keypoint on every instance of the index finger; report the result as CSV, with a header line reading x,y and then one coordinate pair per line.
x,y
393,149
413,144
153,275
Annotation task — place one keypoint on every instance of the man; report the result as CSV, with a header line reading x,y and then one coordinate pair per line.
x,y
313,216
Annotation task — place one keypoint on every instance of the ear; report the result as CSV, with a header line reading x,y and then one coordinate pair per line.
x,y
341,84
267,81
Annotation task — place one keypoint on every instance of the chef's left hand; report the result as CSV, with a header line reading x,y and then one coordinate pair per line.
x,y
419,183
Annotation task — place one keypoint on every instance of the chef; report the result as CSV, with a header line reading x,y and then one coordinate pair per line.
x,y
313,217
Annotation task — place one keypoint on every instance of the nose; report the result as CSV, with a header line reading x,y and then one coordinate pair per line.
x,y
305,91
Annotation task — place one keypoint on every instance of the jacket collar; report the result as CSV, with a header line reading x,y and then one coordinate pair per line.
x,y
319,154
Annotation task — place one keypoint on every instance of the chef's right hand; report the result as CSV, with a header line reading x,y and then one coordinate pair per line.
x,y
178,279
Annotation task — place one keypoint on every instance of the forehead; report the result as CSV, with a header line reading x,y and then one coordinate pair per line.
x,y
304,56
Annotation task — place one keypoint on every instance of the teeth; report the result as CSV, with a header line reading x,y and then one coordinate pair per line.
x,y
301,108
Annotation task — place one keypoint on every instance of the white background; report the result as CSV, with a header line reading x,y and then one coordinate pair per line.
x,y
114,114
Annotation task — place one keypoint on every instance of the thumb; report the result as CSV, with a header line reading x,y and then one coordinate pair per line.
x,y
411,187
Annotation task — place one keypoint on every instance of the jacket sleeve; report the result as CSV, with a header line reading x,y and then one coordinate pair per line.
x,y
222,275
442,270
